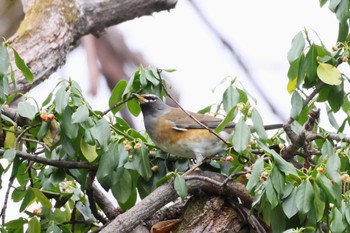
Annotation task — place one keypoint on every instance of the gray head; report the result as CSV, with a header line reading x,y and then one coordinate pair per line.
x,y
151,105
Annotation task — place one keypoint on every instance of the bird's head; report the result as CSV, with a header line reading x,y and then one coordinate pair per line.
x,y
150,103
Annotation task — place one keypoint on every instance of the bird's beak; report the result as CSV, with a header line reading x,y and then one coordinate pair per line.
x,y
140,98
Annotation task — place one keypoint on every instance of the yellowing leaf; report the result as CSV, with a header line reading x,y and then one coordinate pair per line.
x,y
10,138
89,151
329,74
292,84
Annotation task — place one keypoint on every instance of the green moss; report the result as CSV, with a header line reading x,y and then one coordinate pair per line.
x,y
37,15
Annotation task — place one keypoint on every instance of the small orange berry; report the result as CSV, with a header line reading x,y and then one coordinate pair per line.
x,y
50,117
334,48
229,158
319,169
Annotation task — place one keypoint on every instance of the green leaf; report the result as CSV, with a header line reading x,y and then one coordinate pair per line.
x,y
333,4
336,97
329,74
117,96
53,229
152,77
89,151
343,30
319,202
10,154
69,129
337,221
143,79
310,63
180,186
284,166
298,45
41,198
123,188
289,206
297,105
28,199
333,164
131,200
4,60
26,110
256,173
277,180
294,70
241,136
22,66
322,2
278,222
258,125
228,118
102,132
327,187
304,196
34,225
47,100
85,211
134,107
141,162
16,224
271,193
61,100
230,98
81,115
107,163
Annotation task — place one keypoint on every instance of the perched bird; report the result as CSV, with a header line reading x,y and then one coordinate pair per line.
x,y
175,132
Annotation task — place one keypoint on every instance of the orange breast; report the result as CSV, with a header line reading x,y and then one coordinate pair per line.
x,y
184,143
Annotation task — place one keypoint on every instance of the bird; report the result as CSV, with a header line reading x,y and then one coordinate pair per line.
x,y
175,132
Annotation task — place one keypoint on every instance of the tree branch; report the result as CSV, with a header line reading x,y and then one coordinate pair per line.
x,y
91,197
207,181
55,163
51,29
299,140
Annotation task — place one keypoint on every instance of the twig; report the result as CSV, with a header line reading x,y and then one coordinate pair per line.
x,y
3,210
55,163
116,105
90,193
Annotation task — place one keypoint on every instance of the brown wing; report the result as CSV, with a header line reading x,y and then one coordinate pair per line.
x,y
182,121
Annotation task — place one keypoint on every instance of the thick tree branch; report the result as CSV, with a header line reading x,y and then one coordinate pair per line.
x,y
198,181
104,203
51,29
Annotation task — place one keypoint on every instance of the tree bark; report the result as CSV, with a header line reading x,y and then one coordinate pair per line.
x,y
51,29
197,182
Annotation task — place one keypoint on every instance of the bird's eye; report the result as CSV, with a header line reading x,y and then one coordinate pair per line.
x,y
151,98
